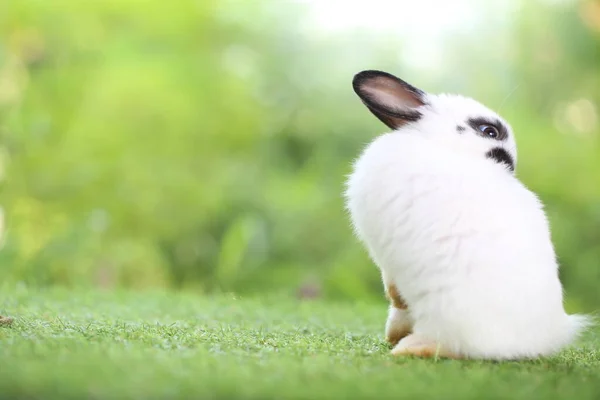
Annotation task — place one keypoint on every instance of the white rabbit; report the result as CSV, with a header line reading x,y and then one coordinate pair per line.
x,y
464,248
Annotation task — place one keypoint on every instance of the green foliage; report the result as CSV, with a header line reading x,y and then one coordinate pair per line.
x,y
205,145
74,344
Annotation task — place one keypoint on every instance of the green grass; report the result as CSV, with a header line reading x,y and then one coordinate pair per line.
x,y
91,344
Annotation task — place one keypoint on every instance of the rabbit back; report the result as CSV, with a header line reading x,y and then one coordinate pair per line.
x,y
467,245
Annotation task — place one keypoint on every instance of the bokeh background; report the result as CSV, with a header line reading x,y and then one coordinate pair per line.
x,y
203,144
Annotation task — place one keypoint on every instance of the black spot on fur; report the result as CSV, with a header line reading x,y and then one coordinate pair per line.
x,y
501,156
475,123
460,128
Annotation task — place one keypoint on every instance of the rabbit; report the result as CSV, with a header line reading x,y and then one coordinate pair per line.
x,y
463,247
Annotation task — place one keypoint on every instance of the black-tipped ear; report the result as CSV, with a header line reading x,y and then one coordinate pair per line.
x,y
389,98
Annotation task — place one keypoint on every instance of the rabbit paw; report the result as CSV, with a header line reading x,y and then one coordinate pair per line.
x,y
398,325
414,345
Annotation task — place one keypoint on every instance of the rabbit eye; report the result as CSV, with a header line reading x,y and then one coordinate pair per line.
x,y
489,128
489,131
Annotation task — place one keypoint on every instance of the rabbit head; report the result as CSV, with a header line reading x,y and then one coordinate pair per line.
x,y
458,124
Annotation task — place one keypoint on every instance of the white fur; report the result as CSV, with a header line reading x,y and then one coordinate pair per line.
x,y
465,242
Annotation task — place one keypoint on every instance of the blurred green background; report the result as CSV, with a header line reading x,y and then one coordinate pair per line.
x,y
203,144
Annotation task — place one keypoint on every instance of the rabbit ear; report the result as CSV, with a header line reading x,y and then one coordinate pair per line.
x,y
389,98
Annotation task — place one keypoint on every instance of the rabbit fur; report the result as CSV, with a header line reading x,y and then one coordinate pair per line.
x,y
464,248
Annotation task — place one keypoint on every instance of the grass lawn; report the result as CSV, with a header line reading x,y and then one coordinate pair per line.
x,y
91,344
